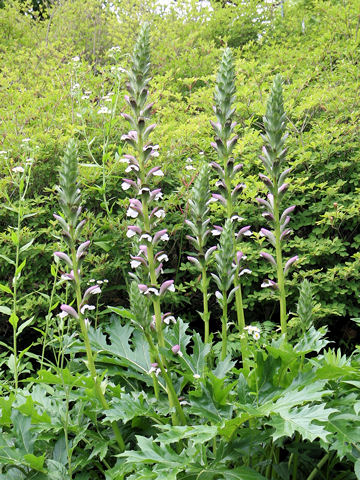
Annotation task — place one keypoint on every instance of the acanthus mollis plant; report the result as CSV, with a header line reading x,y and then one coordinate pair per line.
x,y
199,224
224,278
227,168
72,225
147,230
273,159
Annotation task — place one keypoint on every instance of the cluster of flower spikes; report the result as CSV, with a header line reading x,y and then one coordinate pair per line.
x,y
72,225
141,208
273,157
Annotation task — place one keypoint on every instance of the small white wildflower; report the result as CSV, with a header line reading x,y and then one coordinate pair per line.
x,y
85,97
125,186
197,376
100,282
201,153
130,233
106,280
164,237
18,170
190,167
132,213
92,280
256,335
26,140
3,152
76,86
76,59
104,110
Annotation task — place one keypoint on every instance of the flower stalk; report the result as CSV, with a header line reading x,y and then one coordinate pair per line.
x,y
227,169
72,225
142,207
273,158
198,222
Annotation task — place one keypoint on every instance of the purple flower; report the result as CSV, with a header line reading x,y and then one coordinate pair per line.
x,y
175,349
81,250
133,230
289,263
269,283
195,261
219,197
69,310
94,289
167,285
268,257
64,257
209,252
269,235
244,231
287,212
160,235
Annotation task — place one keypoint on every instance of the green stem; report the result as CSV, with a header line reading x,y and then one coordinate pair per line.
x,y
89,355
14,309
241,324
279,263
179,418
318,466
48,317
224,320
206,314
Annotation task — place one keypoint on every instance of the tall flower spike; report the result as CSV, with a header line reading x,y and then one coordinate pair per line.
x,y
68,190
273,159
226,168
224,278
148,216
198,223
70,199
